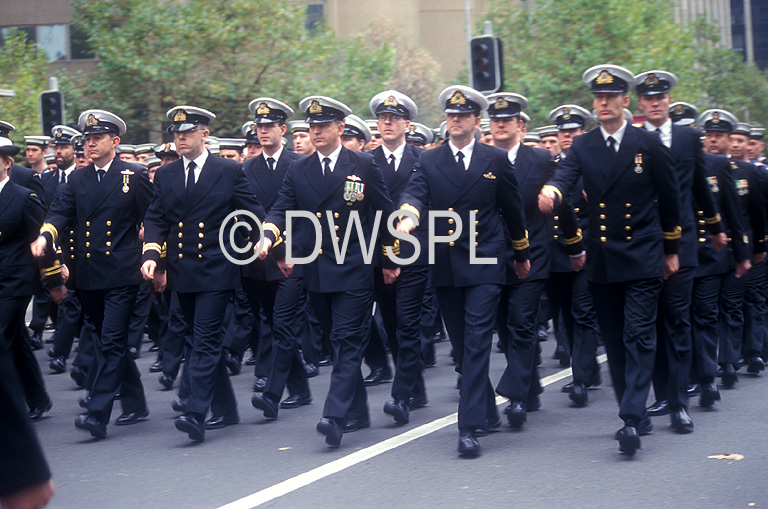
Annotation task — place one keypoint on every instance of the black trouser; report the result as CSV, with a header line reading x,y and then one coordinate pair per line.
x,y
68,325
755,310
140,315
174,339
115,370
705,311
42,308
731,318
239,323
14,345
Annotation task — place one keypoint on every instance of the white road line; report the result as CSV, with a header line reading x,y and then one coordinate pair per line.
x,y
323,471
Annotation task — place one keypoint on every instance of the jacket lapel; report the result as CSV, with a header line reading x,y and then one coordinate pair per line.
x,y
209,175
477,165
6,198
677,143
315,174
344,167
624,158
523,162
108,183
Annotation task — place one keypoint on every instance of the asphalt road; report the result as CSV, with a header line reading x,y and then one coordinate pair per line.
x,y
564,457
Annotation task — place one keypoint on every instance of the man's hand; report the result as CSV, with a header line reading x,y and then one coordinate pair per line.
x,y
266,245
34,497
743,267
719,241
405,225
141,234
547,200
390,275
161,281
64,274
522,269
148,269
671,265
577,262
58,294
758,257
38,246
285,268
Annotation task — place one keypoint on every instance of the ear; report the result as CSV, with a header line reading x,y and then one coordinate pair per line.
x,y
115,141
283,129
626,100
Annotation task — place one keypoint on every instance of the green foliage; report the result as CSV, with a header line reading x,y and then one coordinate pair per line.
x,y
22,69
154,55
549,46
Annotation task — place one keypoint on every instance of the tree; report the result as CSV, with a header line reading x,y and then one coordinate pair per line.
x,y
547,47
21,69
154,55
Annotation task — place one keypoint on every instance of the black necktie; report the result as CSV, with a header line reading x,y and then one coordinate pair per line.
x,y
392,162
327,167
101,173
190,177
62,177
658,131
612,145
271,163
460,160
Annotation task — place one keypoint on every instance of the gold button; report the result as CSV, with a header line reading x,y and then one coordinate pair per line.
x,y
87,234
181,245
201,225
71,232
199,246
321,251
336,227
87,223
557,218
181,235
477,233
476,211
554,237
701,212
627,216
109,244
450,209
627,205
477,222
109,234
629,238
627,227
450,232
576,210
181,255
87,255
199,256
603,239
702,240
450,221
451,244
602,205
556,227
336,215
107,253
181,225
71,248
87,244
338,239
109,223
602,216
476,244
72,257
71,241
602,228
701,221
199,235
319,214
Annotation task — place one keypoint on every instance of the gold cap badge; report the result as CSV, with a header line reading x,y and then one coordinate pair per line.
x,y
59,134
500,104
604,78
566,114
315,107
458,98
679,110
91,120
180,116
263,109
715,117
391,101
651,80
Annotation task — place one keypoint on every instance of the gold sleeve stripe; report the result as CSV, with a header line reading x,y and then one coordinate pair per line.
x,y
49,228
410,208
554,190
151,246
272,228
164,250
574,240
674,235
713,220
278,242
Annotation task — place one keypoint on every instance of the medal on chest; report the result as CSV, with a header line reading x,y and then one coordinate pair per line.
x,y
126,176
638,163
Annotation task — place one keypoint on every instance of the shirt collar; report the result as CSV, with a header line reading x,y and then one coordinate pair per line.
x,y
618,135
512,154
5,181
106,166
199,160
467,151
276,155
333,156
398,152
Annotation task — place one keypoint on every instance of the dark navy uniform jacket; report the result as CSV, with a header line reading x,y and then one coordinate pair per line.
x,y
50,182
735,218
489,188
634,203
21,214
105,217
265,184
397,183
29,178
355,185
190,227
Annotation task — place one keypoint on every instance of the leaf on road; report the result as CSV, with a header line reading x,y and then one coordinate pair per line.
x,y
727,456
285,448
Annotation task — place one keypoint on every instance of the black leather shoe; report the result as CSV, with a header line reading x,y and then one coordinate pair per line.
x,y
579,395
755,365
516,414
221,421
154,348
693,390
37,413
629,439
418,402
51,353
179,404
132,418
324,361
377,376
645,426
83,402
709,394
192,426
562,356
251,361
297,400
311,370
567,387
91,424
492,425
262,402
469,447
234,363
36,341
259,384
729,376
331,430
156,367
681,420
58,365
659,408
78,375
134,352
533,404
398,409
166,381
352,425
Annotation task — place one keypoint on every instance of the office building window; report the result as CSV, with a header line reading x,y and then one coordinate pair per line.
x,y
315,13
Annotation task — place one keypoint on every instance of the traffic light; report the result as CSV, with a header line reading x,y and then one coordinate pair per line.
x,y
51,110
487,67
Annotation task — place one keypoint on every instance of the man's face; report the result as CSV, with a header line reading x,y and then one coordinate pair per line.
x,y
654,107
143,157
65,155
81,161
375,141
35,154
167,159
100,146
610,107
325,135
353,143
151,173
565,137
252,150
270,136
550,143
301,143
191,144
716,143
756,148
461,125
504,130
392,127
230,153
738,146
128,157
